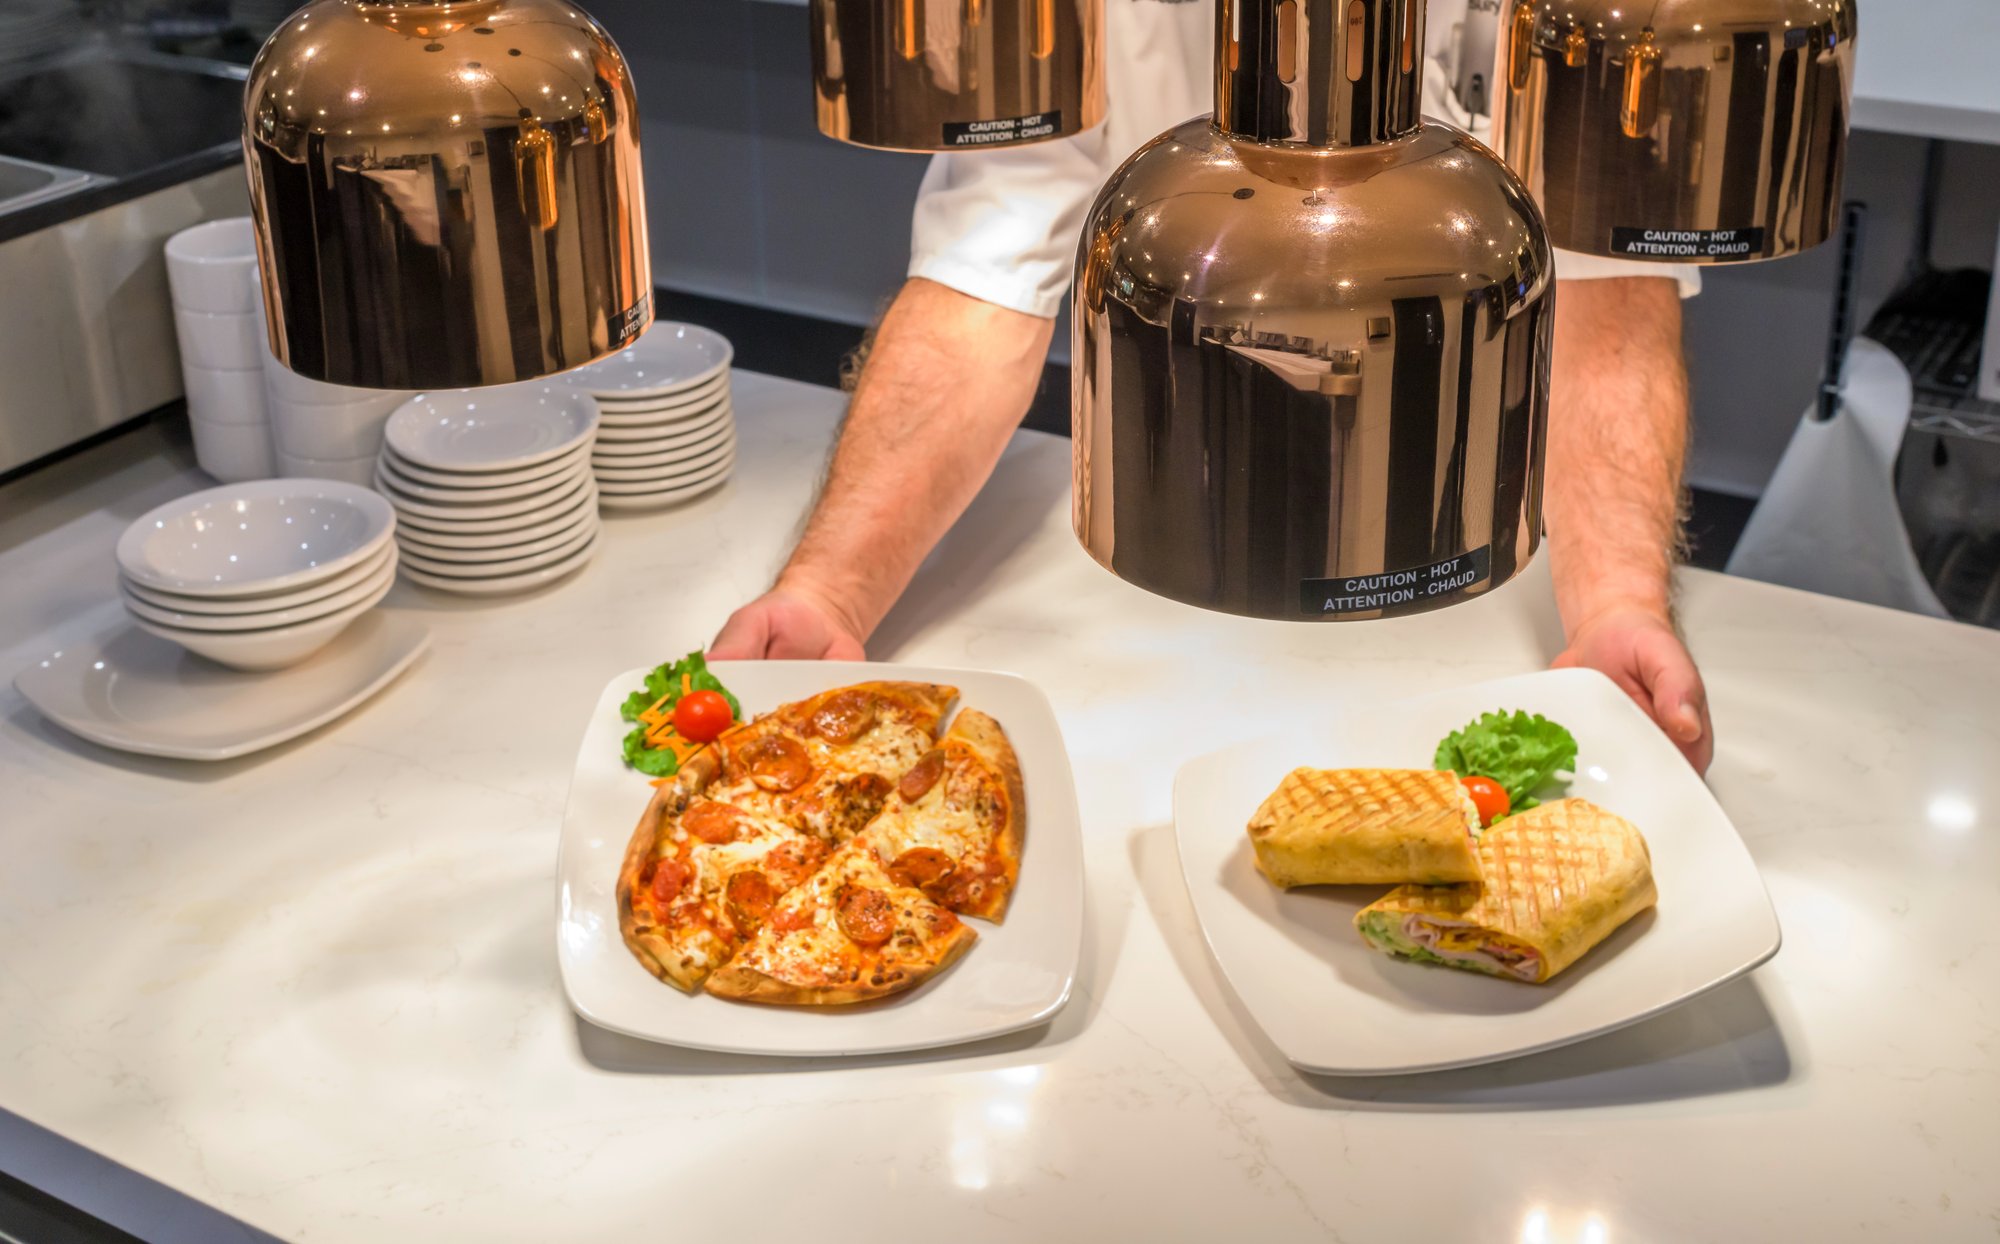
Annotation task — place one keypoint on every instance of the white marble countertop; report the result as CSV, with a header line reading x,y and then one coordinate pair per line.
x,y
316,989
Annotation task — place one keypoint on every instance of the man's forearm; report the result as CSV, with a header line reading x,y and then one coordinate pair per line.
x,y
944,387
1618,427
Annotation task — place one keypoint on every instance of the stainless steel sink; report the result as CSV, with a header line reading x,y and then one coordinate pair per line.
x,y
24,183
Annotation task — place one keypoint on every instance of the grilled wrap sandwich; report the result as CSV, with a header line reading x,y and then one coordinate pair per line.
x,y
1366,826
1558,879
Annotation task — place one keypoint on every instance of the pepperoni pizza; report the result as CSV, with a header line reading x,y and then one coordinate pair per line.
x,y
822,853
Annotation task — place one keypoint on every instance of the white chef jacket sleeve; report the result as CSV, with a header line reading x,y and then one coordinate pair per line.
x,y
1002,226
1570,265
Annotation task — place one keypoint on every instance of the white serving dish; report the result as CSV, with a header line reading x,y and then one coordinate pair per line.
x,y
652,409
359,472
329,430
1334,1006
670,357
414,543
233,453
639,501
270,649
218,606
502,532
233,340
219,395
560,510
212,267
263,620
458,568
616,440
505,585
475,494
501,428
548,495
255,538
712,418
678,485
662,457
1015,976
287,386
484,479
138,693
691,462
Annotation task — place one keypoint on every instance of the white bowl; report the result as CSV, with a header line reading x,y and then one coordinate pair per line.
x,y
287,385
708,456
415,544
331,430
505,566
213,267
470,493
483,479
268,649
501,532
266,620
233,339
233,453
558,492
216,606
224,395
670,357
501,428
359,472
261,537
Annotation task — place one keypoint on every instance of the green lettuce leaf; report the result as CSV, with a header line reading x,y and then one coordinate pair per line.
x,y
1521,751
665,680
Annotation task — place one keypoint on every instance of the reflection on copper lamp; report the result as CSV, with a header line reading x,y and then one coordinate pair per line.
x,y
1683,131
446,194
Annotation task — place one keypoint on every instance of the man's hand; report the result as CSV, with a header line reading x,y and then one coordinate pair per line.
x,y
787,623
1638,649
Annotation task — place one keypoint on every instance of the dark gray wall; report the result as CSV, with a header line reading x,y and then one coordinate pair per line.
x,y
749,202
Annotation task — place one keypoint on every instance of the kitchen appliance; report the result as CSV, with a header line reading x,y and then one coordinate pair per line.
x,y
944,75
1311,339
1683,131
446,194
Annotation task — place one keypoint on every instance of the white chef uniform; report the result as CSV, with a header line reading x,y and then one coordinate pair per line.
x,y
1002,225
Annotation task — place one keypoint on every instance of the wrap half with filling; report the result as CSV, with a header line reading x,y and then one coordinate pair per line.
x,y
1366,826
1559,879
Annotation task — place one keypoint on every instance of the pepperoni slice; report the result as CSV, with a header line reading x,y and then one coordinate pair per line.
x,y
749,895
845,716
777,762
922,775
668,879
797,859
925,868
711,822
866,916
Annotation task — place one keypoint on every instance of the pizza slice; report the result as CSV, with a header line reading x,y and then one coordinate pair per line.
x,y
700,877
954,825
826,764
848,934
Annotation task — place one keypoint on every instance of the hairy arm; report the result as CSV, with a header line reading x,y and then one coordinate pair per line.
x,y
1618,430
944,387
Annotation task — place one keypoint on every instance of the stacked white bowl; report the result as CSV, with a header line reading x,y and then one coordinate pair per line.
x,y
327,431
492,487
219,319
668,432
258,575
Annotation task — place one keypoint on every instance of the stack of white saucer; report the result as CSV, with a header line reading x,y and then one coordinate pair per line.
x,y
668,432
258,575
492,487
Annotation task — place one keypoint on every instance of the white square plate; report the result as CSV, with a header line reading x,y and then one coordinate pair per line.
x,y
1337,1007
1015,976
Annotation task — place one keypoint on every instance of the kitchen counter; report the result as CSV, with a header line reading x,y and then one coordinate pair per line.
x,y
316,990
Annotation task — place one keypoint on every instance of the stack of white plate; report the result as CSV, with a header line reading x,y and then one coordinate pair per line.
x,y
668,432
492,487
258,575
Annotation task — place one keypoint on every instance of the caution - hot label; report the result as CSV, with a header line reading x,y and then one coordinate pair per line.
x,y
1395,589
1686,244
1001,130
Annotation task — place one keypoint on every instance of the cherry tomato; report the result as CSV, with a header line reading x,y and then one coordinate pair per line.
x,y
701,715
1487,795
